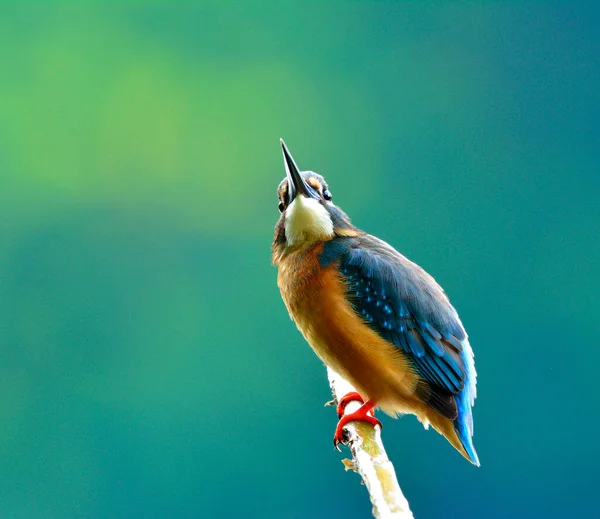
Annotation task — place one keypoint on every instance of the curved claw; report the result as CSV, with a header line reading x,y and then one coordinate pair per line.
x,y
336,445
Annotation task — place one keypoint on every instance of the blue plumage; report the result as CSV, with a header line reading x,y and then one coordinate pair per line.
x,y
464,402
333,250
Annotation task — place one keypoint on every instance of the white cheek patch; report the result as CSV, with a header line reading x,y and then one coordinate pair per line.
x,y
306,220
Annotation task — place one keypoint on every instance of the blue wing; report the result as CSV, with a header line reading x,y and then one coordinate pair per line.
x,y
405,305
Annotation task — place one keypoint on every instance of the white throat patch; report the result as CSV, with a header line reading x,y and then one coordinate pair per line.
x,y
307,221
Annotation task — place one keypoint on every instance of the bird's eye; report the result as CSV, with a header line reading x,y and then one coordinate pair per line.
x,y
327,195
281,207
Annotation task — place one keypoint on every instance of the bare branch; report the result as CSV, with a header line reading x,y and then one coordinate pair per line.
x,y
370,460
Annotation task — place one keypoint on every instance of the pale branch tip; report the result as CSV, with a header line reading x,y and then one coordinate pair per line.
x,y
370,460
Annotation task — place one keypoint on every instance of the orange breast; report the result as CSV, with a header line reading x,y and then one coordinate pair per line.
x,y
316,300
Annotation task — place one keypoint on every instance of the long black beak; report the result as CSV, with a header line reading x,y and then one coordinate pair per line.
x,y
297,184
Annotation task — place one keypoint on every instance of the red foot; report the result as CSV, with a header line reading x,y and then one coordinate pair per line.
x,y
345,400
363,414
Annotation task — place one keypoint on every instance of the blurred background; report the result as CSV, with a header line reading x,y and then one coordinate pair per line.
x,y
148,366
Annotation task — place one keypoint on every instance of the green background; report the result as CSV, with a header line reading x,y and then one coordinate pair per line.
x,y
148,366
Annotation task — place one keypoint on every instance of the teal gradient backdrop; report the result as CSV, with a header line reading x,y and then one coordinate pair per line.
x,y
148,366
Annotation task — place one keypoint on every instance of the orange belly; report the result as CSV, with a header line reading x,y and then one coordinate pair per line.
x,y
316,301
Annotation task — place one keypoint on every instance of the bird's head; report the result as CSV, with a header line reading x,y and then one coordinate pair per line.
x,y
308,215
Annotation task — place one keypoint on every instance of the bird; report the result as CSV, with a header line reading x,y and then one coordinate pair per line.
x,y
371,315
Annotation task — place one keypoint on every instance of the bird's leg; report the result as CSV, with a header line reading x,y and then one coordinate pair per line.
x,y
363,414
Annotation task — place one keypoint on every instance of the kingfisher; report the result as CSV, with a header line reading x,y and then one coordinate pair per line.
x,y
371,315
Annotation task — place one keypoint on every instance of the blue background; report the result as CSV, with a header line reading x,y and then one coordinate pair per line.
x,y
148,367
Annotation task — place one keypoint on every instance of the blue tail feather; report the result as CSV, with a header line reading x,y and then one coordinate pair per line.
x,y
463,425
